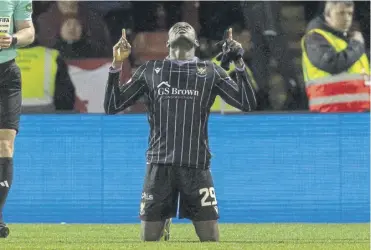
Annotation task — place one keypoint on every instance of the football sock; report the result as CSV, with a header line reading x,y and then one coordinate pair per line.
x,y
6,178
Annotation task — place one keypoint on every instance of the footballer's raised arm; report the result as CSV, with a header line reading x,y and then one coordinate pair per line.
x,y
239,94
119,97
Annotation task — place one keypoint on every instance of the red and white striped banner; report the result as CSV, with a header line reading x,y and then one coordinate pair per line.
x,y
89,77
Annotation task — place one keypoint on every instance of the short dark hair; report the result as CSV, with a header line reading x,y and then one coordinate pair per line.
x,y
347,3
329,4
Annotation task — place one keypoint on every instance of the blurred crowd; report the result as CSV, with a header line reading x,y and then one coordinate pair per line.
x,y
270,33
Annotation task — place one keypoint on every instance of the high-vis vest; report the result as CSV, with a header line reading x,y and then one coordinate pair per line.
x,y
39,69
348,91
220,105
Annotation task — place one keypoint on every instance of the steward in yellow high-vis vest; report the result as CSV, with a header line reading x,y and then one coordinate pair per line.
x,y
335,67
46,84
221,106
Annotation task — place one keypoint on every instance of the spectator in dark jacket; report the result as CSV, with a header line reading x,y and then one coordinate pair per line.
x,y
74,31
335,67
322,54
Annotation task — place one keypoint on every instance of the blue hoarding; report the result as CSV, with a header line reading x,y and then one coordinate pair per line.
x,y
266,168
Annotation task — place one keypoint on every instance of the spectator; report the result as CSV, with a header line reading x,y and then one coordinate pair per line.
x,y
46,84
361,14
268,41
74,31
335,66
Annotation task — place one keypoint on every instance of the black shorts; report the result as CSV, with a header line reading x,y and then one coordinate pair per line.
x,y
165,184
10,95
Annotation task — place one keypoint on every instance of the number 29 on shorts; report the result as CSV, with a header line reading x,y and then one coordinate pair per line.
x,y
206,193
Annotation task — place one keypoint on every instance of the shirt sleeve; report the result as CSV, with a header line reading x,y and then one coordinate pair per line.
x,y
119,97
23,10
239,94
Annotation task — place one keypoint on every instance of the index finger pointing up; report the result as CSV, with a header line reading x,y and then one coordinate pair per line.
x,y
229,35
123,33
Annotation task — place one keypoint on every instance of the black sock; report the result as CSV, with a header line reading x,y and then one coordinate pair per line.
x,y
6,178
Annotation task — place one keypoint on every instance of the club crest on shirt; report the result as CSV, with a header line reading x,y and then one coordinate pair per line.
x,y
201,71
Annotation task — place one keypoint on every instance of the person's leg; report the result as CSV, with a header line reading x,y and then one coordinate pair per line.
x,y
207,230
198,202
10,109
151,230
158,203
6,172
155,230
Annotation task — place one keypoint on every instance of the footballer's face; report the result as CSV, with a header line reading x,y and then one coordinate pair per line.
x,y
182,33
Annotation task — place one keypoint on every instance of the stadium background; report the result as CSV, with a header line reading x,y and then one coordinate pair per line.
x,y
88,52
268,166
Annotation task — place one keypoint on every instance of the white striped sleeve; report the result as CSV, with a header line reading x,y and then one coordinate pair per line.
x,y
239,94
118,98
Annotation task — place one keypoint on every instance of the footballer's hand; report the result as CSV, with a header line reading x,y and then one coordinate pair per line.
x,y
121,50
232,48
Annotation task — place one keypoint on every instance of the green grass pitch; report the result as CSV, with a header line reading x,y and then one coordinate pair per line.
x,y
232,237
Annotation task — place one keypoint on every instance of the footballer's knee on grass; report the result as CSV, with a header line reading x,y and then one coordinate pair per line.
x,y
7,137
152,230
207,230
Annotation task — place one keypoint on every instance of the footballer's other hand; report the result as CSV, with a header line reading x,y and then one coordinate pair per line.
x,y
231,47
121,50
231,50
